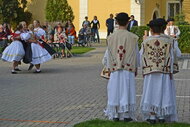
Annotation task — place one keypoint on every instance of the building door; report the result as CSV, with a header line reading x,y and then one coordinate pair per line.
x,y
155,15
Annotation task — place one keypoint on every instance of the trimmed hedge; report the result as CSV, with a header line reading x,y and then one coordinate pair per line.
x,y
184,40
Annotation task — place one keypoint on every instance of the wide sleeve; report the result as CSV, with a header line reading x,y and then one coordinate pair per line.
x,y
105,60
140,55
176,49
178,32
25,36
137,56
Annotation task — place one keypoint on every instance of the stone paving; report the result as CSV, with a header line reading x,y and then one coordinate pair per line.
x,y
69,90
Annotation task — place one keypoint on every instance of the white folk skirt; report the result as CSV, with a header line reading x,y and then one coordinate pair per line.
x,y
159,96
39,54
14,52
121,95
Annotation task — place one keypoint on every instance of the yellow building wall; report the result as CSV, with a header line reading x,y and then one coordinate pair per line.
x,y
103,8
37,7
151,6
186,9
75,7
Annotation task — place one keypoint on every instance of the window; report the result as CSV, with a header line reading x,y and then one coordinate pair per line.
x,y
174,8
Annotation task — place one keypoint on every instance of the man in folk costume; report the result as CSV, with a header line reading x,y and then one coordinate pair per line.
x,y
171,29
177,51
122,58
157,56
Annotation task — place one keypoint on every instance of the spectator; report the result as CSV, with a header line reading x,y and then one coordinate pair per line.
x,y
71,33
110,24
49,32
83,35
132,23
95,26
86,22
61,38
3,38
116,25
7,29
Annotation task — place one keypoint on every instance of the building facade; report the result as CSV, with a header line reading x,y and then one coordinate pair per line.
x,y
143,10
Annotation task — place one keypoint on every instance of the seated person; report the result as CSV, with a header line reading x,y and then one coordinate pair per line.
x,y
82,37
61,38
71,33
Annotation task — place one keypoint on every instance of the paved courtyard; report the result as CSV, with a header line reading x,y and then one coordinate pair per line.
x,y
69,91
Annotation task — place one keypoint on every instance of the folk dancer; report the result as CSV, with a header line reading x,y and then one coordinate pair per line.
x,y
157,56
15,51
39,53
122,59
172,30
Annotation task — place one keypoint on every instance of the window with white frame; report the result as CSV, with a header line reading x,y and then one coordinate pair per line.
x,y
174,8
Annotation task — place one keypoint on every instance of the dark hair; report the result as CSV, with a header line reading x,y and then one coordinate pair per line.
x,y
156,29
44,27
122,19
133,16
86,17
19,27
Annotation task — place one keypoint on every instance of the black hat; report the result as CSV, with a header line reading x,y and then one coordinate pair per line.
x,y
161,21
122,17
157,22
170,19
153,23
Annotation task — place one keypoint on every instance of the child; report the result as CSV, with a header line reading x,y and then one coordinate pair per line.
x,y
15,51
158,98
121,58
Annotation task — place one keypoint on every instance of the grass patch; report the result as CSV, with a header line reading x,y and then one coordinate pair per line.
x,y
107,123
81,50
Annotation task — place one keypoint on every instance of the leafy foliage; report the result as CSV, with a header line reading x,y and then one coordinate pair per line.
x,y
180,19
139,31
13,11
184,40
58,10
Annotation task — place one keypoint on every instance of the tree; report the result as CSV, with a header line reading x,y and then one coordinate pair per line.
x,y
13,11
58,10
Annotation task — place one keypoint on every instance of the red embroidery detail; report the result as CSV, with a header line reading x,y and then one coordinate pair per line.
x,y
157,43
114,64
121,47
121,52
123,66
130,69
113,69
128,64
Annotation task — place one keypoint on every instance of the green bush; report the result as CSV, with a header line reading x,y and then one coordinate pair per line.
x,y
184,40
139,31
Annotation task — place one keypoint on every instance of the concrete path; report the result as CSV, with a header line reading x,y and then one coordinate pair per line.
x,y
67,92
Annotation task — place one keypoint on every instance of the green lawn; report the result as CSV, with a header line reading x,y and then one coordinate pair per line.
x,y
106,123
81,50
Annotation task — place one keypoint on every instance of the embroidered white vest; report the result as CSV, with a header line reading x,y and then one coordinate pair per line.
x,y
122,51
156,55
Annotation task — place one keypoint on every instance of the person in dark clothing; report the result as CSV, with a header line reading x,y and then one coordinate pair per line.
x,y
132,23
3,39
86,22
95,26
110,24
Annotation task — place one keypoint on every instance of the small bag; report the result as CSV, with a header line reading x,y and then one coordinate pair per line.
x,y
105,73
